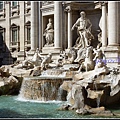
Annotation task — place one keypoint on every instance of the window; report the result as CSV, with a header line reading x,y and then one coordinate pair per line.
x,y
14,34
14,37
1,5
28,34
14,4
15,8
28,2
2,38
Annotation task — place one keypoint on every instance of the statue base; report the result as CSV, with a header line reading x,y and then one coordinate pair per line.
x,y
49,45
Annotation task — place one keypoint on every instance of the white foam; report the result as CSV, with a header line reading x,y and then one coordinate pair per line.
x,y
38,101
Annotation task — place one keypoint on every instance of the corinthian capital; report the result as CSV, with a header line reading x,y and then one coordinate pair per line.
x,y
68,9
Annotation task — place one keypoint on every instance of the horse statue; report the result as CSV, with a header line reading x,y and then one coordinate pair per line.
x,y
88,63
70,56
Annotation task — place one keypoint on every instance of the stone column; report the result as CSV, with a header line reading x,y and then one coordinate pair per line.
x,y
57,24
21,54
69,27
112,51
34,25
40,25
7,56
112,23
104,25
119,22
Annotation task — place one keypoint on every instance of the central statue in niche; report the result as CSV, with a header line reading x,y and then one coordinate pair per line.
x,y
83,26
85,36
49,34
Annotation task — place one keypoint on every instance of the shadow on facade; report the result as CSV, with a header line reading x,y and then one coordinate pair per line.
x,y
5,55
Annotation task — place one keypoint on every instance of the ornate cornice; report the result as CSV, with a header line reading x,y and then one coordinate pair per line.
x,y
47,2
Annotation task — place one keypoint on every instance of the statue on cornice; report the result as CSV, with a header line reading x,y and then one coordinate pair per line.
x,y
49,34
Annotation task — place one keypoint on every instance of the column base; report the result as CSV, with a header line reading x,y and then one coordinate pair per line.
x,y
21,56
112,54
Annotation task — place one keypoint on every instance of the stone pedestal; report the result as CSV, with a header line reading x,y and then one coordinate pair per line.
x,y
112,56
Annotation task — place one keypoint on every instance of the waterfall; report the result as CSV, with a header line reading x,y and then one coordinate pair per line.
x,y
61,96
42,89
99,95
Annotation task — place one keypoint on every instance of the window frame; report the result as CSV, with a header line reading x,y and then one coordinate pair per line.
x,y
14,27
1,9
3,30
14,6
28,35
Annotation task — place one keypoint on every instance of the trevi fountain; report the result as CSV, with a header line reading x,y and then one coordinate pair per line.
x,y
77,84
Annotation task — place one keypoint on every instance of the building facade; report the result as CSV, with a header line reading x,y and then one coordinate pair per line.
x,y
23,23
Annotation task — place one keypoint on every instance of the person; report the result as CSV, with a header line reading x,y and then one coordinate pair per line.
x,y
49,33
83,26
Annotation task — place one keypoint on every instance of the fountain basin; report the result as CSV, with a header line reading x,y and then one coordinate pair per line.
x,y
43,88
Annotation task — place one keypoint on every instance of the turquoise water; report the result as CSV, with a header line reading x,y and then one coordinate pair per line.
x,y
12,107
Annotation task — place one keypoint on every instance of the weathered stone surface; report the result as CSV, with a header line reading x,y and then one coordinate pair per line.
x,y
93,88
9,84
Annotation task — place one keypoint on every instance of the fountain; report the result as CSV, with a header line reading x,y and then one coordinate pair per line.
x,y
78,81
69,83
45,87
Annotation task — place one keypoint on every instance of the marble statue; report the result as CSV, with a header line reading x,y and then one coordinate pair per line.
x,y
66,57
70,56
83,26
27,64
80,55
88,63
30,63
85,36
99,58
37,58
49,34
45,62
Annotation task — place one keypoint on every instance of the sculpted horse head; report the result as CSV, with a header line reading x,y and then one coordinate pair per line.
x,y
89,53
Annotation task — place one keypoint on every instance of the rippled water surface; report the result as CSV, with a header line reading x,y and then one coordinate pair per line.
x,y
12,107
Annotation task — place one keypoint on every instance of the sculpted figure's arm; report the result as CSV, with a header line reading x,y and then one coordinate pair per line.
x,y
76,24
49,26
